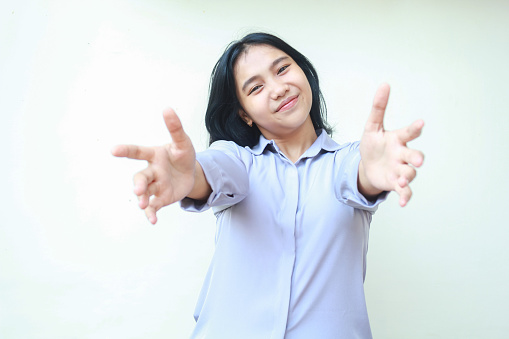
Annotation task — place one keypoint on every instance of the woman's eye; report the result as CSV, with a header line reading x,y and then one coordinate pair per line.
x,y
254,89
282,69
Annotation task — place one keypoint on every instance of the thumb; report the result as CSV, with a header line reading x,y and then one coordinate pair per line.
x,y
376,118
174,126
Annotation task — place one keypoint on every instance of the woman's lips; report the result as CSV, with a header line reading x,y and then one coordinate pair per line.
x,y
288,103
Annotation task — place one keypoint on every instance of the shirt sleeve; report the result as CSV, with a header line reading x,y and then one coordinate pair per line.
x,y
226,174
346,188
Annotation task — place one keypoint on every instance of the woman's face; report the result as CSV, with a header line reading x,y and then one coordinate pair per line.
x,y
273,91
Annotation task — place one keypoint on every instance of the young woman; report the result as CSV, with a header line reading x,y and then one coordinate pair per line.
x,y
293,207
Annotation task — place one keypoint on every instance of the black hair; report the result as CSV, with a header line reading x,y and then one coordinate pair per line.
x,y
222,118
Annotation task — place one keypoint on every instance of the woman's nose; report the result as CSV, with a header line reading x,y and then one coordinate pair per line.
x,y
279,89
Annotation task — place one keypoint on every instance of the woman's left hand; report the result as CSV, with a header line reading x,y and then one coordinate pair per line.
x,y
387,164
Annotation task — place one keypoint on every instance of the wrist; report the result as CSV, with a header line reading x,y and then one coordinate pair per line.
x,y
365,187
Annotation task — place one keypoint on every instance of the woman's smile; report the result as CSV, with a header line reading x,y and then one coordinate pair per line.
x,y
288,103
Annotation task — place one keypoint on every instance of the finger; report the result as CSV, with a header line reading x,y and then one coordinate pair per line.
x,y
174,126
151,215
153,188
155,205
141,181
376,118
133,152
405,193
412,156
143,201
411,132
406,175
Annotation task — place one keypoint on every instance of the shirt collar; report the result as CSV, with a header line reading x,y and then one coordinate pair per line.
x,y
323,142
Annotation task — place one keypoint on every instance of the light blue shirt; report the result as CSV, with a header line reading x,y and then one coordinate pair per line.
x,y
291,243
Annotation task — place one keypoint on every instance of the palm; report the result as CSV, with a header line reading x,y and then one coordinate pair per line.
x,y
374,148
387,163
173,172
169,176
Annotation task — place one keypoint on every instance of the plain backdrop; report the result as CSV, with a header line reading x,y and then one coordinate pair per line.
x,y
78,258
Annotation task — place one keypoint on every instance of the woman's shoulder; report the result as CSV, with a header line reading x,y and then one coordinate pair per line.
x,y
327,143
224,145
229,148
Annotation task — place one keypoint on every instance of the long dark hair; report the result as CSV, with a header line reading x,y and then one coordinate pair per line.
x,y
222,118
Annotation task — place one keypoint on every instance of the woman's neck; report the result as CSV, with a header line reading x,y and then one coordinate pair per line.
x,y
294,144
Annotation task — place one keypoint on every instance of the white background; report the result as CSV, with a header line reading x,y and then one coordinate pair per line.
x,y
79,260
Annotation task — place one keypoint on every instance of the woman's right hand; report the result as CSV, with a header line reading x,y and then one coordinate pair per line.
x,y
170,174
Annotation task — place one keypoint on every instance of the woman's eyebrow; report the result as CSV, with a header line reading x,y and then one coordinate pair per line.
x,y
248,81
253,78
278,60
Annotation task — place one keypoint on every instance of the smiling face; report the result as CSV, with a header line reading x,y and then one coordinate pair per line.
x,y
273,91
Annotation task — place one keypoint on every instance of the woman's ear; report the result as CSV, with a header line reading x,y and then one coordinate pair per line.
x,y
246,118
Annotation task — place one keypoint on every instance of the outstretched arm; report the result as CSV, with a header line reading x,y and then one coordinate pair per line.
x,y
172,172
387,164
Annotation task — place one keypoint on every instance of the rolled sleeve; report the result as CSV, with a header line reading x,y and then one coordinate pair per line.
x,y
227,176
347,190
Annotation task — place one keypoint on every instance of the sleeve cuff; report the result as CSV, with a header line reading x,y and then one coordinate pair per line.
x,y
227,176
347,190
